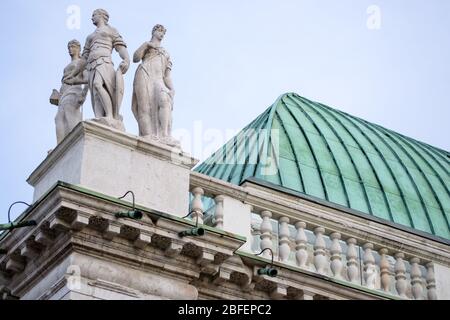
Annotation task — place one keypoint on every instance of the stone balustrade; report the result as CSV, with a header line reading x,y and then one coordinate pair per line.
x,y
335,255
310,246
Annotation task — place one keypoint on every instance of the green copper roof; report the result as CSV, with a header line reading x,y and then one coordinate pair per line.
x,y
331,155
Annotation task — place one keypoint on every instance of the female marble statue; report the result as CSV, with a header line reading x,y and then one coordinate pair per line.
x,y
153,92
71,96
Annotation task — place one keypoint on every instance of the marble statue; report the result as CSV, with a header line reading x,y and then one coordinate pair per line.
x,y
71,95
106,84
153,91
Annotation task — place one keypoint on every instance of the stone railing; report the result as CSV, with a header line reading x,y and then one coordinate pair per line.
x,y
334,249
333,254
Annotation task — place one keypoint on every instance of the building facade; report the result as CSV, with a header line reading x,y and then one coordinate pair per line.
x,y
307,202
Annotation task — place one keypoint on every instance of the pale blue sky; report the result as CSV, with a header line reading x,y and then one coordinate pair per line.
x,y
232,59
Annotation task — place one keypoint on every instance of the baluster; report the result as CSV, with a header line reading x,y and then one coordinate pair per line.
x,y
218,214
400,270
370,272
197,205
416,279
384,270
285,249
336,251
266,233
431,282
352,261
301,245
320,260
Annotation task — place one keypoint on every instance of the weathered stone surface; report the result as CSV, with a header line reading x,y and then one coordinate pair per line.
x,y
111,162
153,92
71,96
106,84
442,276
237,218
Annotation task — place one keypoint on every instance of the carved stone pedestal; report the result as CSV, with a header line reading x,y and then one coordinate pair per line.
x,y
112,162
111,122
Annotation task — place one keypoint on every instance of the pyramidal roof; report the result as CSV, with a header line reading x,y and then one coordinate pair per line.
x,y
325,153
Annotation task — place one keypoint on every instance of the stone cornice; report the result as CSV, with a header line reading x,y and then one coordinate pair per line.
x,y
71,219
77,224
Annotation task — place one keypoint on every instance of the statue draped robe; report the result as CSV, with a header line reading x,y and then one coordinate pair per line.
x,y
150,89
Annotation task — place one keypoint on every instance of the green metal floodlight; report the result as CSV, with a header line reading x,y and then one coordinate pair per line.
x,y
268,270
194,232
131,214
15,225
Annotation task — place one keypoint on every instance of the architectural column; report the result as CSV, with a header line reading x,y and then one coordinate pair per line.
x,y
301,254
370,272
197,205
218,214
336,251
320,260
400,270
416,279
431,282
266,233
285,249
385,274
352,261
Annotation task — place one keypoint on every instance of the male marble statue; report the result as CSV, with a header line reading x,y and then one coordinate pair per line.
x,y
105,84
71,96
153,91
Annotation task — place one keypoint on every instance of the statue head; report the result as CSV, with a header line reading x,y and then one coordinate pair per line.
x,y
74,48
100,14
158,31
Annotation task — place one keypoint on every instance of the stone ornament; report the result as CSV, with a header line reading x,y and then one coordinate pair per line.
x,y
105,83
352,261
320,260
153,91
336,264
416,279
385,278
301,241
266,234
285,248
71,95
400,275
370,271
